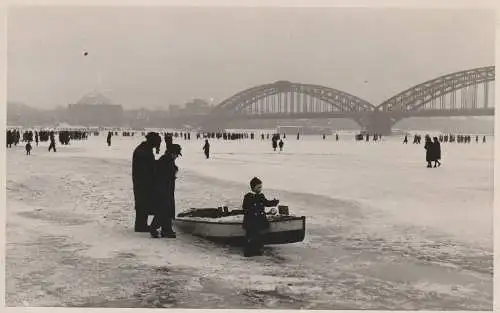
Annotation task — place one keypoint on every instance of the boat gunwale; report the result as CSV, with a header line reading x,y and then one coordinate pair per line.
x,y
292,218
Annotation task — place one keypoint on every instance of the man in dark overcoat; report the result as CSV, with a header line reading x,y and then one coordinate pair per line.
x,y
166,174
143,178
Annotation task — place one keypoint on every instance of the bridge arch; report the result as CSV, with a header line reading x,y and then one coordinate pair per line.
x,y
419,100
337,100
417,97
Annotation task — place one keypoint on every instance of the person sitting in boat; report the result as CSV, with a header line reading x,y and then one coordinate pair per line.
x,y
255,220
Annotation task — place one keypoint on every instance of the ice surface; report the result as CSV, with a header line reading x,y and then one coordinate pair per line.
x,y
383,231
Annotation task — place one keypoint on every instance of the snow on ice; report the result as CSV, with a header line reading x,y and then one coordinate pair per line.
x,y
383,231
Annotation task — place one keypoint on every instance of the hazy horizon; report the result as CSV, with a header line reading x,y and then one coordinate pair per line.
x,y
154,57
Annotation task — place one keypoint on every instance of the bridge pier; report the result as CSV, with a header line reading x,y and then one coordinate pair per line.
x,y
377,123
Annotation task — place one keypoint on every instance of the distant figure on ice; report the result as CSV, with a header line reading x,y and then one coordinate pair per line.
x,y
52,142
405,141
166,174
281,145
275,143
484,139
28,148
436,153
324,136
206,149
108,140
428,150
298,136
10,138
255,220
36,138
143,179
336,137
168,141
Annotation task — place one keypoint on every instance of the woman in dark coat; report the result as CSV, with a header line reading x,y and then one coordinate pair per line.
x,y
166,174
436,147
429,150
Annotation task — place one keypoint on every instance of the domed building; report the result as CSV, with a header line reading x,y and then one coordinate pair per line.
x,y
95,109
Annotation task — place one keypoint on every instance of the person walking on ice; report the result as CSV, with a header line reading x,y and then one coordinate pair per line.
x,y
52,142
28,148
206,149
108,139
436,152
281,145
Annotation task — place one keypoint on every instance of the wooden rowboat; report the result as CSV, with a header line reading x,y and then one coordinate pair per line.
x,y
222,225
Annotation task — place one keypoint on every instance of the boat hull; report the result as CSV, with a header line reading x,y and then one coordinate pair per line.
x,y
282,230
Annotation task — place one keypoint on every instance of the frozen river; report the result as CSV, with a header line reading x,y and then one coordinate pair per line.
x,y
383,231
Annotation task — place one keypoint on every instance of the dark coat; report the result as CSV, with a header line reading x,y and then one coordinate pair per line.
x,y
166,174
429,151
253,210
436,147
143,175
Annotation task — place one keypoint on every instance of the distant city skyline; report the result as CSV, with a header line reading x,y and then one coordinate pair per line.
x,y
154,57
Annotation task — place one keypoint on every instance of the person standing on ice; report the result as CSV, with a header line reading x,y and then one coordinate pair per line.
x,y
281,145
143,179
166,174
275,143
429,157
168,140
484,139
254,219
436,152
206,149
405,141
36,138
28,148
108,140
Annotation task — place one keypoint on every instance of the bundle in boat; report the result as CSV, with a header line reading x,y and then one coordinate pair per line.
x,y
226,226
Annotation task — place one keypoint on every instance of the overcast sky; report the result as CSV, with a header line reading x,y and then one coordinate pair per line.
x,y
153,57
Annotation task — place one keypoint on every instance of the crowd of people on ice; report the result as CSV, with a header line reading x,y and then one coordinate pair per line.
x,y
154,180
447,138
29,136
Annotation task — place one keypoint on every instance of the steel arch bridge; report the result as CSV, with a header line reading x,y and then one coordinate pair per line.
x,y
430,97
291,99
464,93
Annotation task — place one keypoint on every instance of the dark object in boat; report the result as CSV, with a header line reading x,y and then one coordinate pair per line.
x,y
283,210
210,212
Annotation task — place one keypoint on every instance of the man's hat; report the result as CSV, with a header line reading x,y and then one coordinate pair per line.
x,y
175,148
151,135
